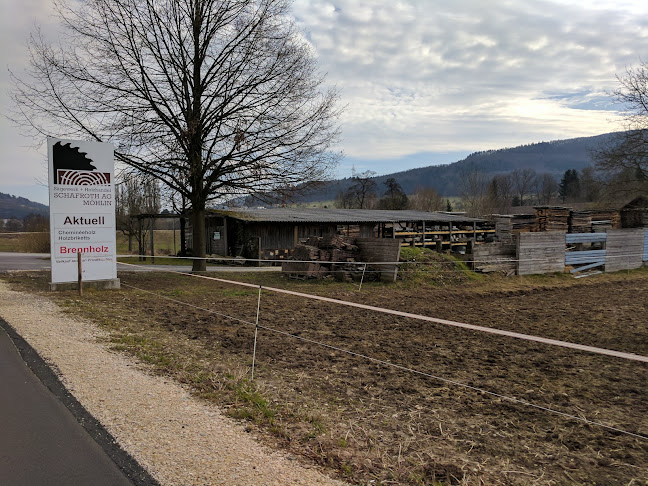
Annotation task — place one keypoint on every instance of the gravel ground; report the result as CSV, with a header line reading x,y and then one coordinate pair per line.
x,y
180,440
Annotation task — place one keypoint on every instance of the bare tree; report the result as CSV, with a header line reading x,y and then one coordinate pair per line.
x,y
215,98
344,200
500,193
363,188
426,199
625,157
592,187
523,180
134,197
474,193
361,194
546,189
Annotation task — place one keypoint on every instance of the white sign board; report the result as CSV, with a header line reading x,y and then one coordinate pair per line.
x,y
82,209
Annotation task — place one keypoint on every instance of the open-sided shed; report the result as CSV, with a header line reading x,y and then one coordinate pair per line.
x,y
272,233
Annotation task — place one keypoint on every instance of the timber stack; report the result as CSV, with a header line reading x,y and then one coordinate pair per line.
x,y
319,257
552,218
594,221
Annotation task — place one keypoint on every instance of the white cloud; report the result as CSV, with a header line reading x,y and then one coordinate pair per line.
x,y
23,168
427,77
420,76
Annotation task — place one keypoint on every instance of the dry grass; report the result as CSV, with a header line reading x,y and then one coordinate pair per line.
x,y
25,242
368,422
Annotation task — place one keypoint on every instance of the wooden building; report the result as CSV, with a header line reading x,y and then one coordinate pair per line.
x,y
635,213
273,233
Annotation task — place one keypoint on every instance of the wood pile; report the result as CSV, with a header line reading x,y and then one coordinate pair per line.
x,y
594,221
523,223
319,257
504,227
552,218
278,254
580,222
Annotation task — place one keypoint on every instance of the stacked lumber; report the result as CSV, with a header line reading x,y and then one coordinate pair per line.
x,y
593,221
580,222
609,216
306,252
504,227
319,257
552,218
523,223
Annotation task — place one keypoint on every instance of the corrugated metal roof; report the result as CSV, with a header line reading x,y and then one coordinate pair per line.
x,y
322,215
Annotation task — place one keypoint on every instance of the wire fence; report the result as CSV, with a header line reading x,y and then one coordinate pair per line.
x,y
524,337
241,261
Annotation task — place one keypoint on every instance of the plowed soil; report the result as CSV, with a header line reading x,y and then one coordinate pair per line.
x,y
444,413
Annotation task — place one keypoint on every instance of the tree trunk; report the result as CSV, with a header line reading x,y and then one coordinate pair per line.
x,y
183,238
199,241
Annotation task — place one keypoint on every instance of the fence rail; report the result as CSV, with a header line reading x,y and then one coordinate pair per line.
x,y
257,326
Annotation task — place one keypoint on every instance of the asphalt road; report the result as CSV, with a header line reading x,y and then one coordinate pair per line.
x,y
40,261
24,261
41,443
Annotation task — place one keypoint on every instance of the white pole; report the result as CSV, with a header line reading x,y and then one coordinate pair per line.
x,y
256,331
363,274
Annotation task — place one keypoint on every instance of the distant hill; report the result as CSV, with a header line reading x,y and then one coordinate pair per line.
x,y
551,157
19,207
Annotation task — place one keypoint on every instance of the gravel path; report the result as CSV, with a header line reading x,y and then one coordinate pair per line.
x,y
177,438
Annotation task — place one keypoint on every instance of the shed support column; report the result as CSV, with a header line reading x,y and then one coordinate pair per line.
x,y
296,238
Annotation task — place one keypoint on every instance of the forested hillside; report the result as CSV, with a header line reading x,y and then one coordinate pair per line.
x,y
545,157
19,207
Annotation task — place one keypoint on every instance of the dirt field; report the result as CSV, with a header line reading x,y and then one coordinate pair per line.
x,y
374,424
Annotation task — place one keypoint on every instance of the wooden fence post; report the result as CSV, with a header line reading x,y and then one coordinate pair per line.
x,y
80,274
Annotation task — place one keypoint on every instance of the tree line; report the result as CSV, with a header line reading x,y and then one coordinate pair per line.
x,y
34,223
482,195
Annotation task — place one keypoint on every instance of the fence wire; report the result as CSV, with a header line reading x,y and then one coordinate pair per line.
x,y
385,363
472,327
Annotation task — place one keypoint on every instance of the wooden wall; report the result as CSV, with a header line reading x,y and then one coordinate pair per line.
x,y
624,249
381,250
540,252
494,257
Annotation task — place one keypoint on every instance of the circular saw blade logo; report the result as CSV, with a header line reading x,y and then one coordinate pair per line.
x,y
73,168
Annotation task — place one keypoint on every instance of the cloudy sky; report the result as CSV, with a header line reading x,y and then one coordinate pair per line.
x,y
424,81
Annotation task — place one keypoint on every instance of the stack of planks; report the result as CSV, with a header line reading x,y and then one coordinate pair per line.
x,y
594,221
552,218
504,227
523,223
319,257
580,222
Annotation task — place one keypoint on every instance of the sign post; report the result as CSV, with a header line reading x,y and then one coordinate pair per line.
x,y
82,213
